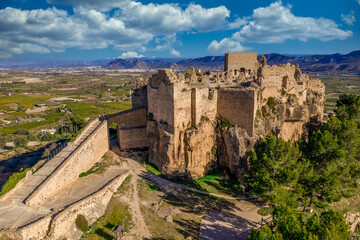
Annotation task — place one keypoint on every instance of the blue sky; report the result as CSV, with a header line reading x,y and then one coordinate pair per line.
x,y
93,29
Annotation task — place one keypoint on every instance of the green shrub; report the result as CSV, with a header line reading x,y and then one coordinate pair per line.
x,y
2,142
81,223
22,131
21,141
12,181
271,103
264,211
223,123
33,137
48,137
213,150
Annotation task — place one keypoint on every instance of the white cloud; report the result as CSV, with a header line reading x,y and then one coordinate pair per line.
x,y
358,1
170,18
174,53
205,20
131,54
239,22
226,45
276,24
349,19
91,26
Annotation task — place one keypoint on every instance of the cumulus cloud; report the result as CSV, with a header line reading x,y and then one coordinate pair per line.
x,y
349,19
170,18
54,30
174,53
131,54
131,27
238,23
226,45
276,24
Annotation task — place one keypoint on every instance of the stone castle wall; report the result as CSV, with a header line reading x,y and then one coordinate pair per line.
x,y
161,106
129,118
81,160
182,105
239,107
62,223
139,98
92,207
131,128
132,137
236,61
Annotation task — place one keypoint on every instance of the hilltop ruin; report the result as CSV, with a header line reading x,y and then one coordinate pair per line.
x,y
183,118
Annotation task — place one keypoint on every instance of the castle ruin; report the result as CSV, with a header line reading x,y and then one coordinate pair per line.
x,y
182,118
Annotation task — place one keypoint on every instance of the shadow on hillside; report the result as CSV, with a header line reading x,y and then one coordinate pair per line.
x,y
25,160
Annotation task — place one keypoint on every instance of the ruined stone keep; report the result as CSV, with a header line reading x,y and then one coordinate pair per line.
x,y
182,118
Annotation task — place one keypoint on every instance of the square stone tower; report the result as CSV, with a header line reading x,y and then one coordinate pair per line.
x,y
237,61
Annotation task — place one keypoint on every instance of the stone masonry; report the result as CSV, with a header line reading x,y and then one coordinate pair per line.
x,y
183,132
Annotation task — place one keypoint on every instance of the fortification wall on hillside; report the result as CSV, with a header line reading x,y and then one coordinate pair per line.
x,y
81,159
92,207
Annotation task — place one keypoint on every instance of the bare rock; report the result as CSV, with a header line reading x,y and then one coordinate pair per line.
x,y
169,218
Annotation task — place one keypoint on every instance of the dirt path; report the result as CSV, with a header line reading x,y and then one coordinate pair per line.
x,y
140,230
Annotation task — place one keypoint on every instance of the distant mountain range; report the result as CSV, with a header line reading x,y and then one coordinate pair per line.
x,y
312,63
309,63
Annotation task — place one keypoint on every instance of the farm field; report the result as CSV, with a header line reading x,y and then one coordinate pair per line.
x,y
337,84
39,107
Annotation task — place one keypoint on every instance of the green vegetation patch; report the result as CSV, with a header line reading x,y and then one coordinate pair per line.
x,y
264,211
12,181
222,123
152,168
289,224
89,110
30,125
216,181
116,213
271,104
82,223
23,100
101,166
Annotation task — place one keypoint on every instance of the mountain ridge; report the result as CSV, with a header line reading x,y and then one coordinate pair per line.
x,y
309,63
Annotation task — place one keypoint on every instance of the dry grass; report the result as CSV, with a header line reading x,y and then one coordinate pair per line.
x,y
348,205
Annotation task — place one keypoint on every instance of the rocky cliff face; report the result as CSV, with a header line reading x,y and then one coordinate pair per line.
x,y
287,100
182,154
